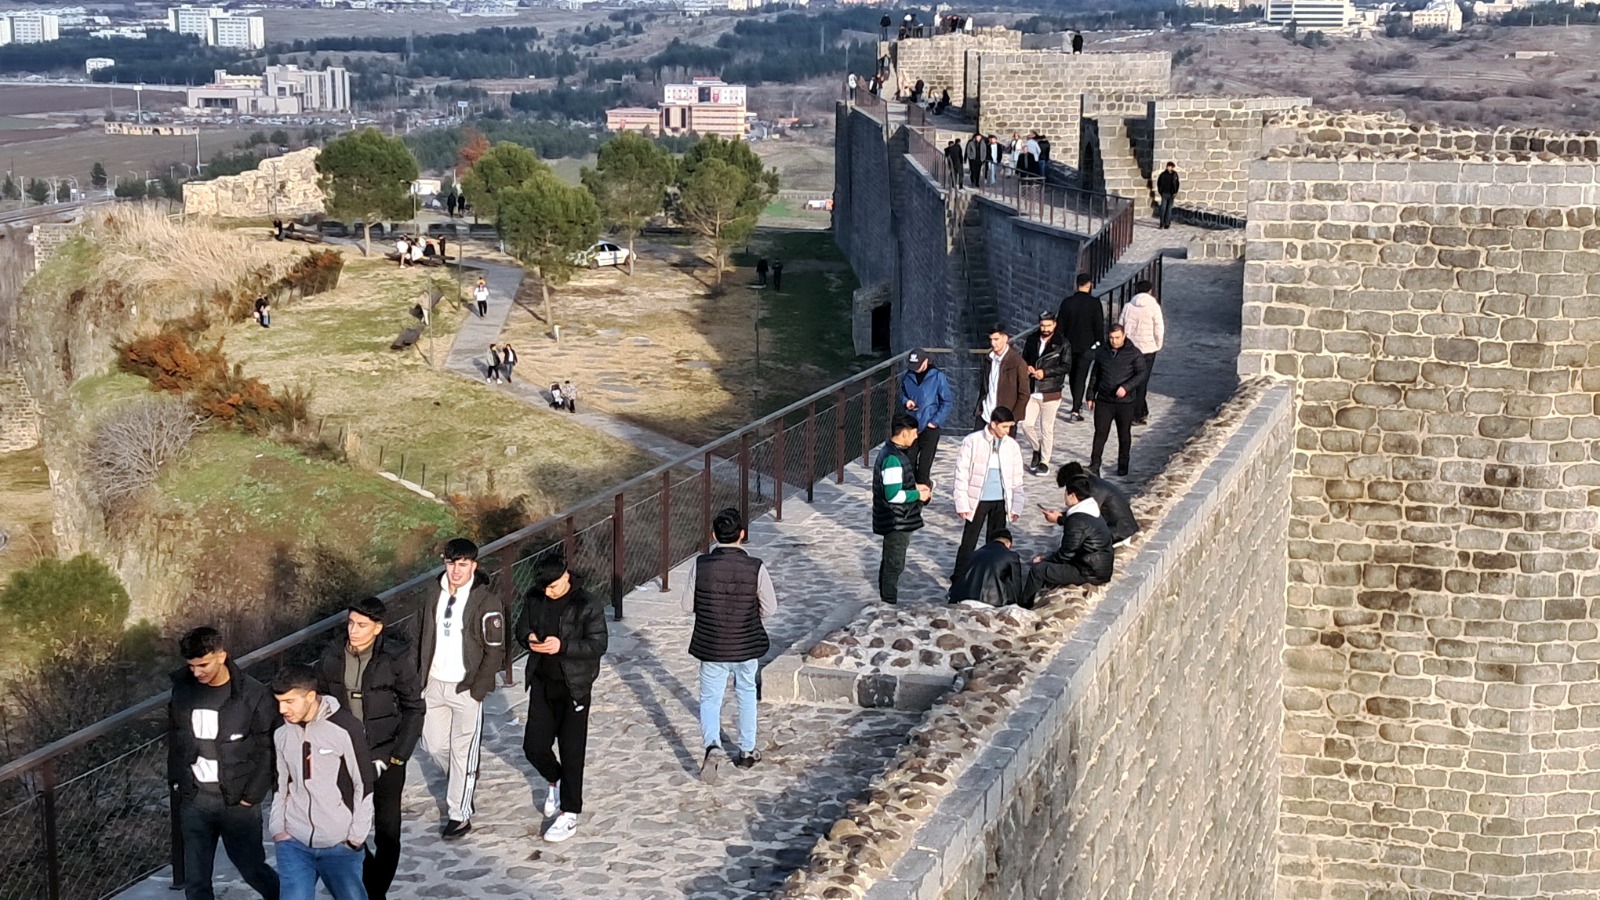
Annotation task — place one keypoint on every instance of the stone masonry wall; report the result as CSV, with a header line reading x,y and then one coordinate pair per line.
x,y
863,206
940,61
1031,266
1213,141
925,312
1143,761
19,412
281,186
1039,90
1442,320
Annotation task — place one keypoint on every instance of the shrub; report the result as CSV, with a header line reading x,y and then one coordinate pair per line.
x,y
489,516
52,601
171,363
314,273
227,396
132,445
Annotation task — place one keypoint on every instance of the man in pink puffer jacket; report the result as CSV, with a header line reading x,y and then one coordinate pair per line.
x,y
987,483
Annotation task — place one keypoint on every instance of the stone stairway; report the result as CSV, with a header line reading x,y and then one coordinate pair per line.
x,y
1121,168
973,260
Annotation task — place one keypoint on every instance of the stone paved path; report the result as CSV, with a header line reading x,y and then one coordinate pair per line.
x,y
470,352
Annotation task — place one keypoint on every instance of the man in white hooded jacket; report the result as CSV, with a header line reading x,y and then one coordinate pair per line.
x,y
1146,328
987,484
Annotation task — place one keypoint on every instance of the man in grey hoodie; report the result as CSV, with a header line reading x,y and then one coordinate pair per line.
x,y
322,812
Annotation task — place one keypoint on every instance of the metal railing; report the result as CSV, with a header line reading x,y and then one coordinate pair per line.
x,y
1114,299
91,813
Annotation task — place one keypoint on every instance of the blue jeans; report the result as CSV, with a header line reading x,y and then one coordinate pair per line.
x,y
338,866
713,682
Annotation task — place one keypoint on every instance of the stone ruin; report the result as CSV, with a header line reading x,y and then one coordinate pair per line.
x,y
280,186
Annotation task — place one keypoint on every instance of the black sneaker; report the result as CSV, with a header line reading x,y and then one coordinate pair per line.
x,y
1094,469
1141,421
748,760
454,830
1077,417
1122,470
711,764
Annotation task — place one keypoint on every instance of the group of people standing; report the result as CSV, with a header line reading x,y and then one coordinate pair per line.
x,y
1073,354
410,250
984,159
564,396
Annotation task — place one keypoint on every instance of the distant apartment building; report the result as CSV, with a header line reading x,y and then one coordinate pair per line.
x,y
95,63
29,28
704,106
217,28
1442,14
1234,5
280,90
1311,15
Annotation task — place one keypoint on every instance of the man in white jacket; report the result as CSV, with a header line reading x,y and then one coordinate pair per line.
x,y
1146,328
987,483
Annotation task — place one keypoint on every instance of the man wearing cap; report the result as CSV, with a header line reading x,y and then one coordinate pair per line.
x,y
925,393
461,647
1048,361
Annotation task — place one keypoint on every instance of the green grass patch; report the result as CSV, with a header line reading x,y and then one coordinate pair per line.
x,y
810,321
98,394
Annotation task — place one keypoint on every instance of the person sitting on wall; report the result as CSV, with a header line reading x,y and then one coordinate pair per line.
x,y
1112,500
1086,555
943,102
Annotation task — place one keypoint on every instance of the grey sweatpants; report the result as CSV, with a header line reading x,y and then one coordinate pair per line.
x,y
452,729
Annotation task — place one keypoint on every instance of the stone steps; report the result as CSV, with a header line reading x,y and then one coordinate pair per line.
x,y
973,258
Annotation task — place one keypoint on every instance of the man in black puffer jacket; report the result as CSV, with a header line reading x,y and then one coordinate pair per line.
x,y
1085,555
219,763
730,594
374,675
564,628
1112,500
896,502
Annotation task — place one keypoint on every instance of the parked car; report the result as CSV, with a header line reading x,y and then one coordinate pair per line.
x,y
604,253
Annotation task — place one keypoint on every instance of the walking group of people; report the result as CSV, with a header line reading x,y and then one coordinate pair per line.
x,y
1073,354
774,268
985,159
502,359
564,396
325,747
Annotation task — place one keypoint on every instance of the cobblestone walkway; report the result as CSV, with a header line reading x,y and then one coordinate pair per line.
x,y
651,830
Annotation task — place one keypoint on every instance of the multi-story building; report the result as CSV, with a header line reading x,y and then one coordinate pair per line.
x,y
1443,14
29,28
195,20
280,90
95,63
237,32
1311,15
707,105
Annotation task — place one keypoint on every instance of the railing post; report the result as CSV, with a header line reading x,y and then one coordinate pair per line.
x,y
569,540
811,451
617,554
666,528
744,476
839,437
52,853
705,503
777,472
866,419
507,583
178,874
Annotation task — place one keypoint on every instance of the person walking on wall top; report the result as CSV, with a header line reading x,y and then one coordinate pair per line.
x,y
1084,322
1118,372
1167,184
1146,327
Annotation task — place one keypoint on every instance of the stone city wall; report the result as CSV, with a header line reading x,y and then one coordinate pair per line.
x,y
1039,91
19,412
1390,131
926,312
1213,140
1142,762
281,186
1031,266
940,61
863,222
1442,320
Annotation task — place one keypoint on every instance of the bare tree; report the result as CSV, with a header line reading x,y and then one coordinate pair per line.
x,y
132,444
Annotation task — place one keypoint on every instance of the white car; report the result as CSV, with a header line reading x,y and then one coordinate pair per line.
x,y
605,253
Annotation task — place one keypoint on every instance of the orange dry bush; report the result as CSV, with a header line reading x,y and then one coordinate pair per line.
x,y
314,273
170,363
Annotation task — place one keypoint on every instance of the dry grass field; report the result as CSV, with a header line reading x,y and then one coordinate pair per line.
x,y
25,510
1472,80
31,99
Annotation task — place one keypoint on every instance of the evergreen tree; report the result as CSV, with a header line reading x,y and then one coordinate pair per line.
x,y
367,176
503,167
9,190
97,175
546,223
629,184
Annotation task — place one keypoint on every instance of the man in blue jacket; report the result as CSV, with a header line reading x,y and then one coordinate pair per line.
x,y
925,393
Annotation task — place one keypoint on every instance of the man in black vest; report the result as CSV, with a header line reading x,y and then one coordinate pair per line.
x,y
374,674
730,594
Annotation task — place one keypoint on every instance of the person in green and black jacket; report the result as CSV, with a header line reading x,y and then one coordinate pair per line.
x,y
896,502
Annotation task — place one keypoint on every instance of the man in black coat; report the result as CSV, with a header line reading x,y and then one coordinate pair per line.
x,y
1112,500
993,575
730,594
1049,360
219,763
1085,556
1084,322
564,628
1167,189
374,675
1119,369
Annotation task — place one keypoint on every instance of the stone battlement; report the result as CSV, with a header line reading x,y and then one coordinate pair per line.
x,y
1336,135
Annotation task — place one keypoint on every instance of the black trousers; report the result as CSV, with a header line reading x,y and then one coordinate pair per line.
x,y
1141,405
1047,575
1166,209
975,171
923,451
203,819
1105,413
557,725
1078,377
384,858
989,517
483,308
892,564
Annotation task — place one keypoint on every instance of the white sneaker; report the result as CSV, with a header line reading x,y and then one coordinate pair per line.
x,y
552,800
563,827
